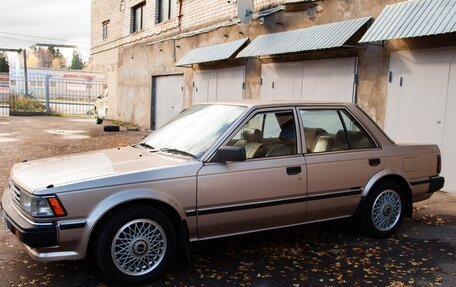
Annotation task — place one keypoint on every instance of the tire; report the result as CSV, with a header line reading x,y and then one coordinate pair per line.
x,y
98,121
384,210
111,128
126,240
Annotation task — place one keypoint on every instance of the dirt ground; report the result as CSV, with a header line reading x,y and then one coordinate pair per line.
x,y
422,253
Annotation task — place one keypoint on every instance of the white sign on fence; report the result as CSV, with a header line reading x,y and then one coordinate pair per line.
x,y
77,87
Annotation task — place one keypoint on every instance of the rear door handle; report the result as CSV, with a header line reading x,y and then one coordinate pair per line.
x,y
293,170
374,161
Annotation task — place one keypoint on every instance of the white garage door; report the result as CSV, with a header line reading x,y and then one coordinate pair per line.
x,y
328,80
219,85
168,98
421,103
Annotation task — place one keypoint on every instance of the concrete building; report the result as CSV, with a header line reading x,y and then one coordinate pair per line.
x,y
396,59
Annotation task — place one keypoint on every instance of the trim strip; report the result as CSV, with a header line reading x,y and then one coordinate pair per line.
x,y
422,181
72,225
207,211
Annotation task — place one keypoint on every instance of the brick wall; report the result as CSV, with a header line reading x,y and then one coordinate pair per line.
x,y
195,13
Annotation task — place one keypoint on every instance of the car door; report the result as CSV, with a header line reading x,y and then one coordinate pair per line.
x,y
266,190
341,157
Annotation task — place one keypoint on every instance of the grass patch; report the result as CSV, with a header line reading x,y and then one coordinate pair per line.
x,y
23,104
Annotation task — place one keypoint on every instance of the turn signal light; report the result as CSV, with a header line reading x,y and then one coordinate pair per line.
x,y
56,206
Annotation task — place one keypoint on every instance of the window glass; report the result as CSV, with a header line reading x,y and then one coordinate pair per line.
x,y
138,19
172,9
195,129
323,131
164,10
167,10
268,135
105,30
358,137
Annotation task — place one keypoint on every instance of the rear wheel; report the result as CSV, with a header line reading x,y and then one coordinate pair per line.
x,y
384,210
135,246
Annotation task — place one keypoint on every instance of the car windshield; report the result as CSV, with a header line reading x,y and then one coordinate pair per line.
x,y
193,131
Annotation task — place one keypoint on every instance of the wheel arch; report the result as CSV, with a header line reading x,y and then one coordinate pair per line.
x,y
387,175
179,223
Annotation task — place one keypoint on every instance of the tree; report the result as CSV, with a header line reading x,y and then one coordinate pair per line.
x,y
4,67
76,61
45,57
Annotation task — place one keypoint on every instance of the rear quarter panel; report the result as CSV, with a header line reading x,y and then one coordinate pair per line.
x,y
416,162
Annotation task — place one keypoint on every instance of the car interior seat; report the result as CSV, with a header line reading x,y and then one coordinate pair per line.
x,y
252,143
287,145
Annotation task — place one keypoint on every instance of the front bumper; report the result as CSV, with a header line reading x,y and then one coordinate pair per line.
x,y
51,241
33,236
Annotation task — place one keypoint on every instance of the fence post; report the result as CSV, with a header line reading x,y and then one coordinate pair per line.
x,y
48,106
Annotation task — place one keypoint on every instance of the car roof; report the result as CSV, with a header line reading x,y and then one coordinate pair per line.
x,y
272,103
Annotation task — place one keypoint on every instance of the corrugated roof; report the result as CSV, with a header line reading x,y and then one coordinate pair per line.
x,y
211,53
413,19
312,38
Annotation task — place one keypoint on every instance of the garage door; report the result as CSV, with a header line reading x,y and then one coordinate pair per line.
x,y
329,80
219,85
421,103
167,99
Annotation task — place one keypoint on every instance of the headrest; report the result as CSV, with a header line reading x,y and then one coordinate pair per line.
x,y
313,131
287,134
252,135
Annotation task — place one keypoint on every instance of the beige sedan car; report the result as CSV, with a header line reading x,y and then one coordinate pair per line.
x,y
217,170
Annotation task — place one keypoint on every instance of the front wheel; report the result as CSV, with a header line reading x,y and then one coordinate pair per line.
x,y
384,210
136,245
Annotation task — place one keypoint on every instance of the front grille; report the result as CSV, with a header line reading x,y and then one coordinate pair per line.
x,y
15,191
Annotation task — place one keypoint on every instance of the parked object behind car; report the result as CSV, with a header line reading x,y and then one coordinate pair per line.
x,y
101,106
217,170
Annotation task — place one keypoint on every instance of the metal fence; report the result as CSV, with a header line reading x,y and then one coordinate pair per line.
x,y
52,95
4,110
4,95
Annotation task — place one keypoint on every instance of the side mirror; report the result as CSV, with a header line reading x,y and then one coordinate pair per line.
x,y
229,153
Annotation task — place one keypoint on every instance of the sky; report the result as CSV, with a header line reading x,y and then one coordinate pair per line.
x,y
48,21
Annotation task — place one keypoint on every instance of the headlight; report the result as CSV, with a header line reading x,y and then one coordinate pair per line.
x,y
41,206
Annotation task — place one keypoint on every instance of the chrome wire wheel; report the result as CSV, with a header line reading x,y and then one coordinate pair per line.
x,y
386,210
138,247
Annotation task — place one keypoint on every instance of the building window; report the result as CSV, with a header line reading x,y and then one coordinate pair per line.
x,y
166,10
137,18
105,29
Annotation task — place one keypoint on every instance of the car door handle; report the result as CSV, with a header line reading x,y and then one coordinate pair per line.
x,y
374,161
293,170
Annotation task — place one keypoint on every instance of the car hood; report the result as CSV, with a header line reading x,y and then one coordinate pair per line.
x,y
100,168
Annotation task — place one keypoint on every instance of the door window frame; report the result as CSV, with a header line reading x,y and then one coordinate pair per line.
x,y
250,116
353,117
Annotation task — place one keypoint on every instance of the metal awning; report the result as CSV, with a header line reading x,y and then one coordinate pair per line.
x,y
413,19
212,53
313,38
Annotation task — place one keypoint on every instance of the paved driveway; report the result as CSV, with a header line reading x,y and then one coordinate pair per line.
x,y
423,252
